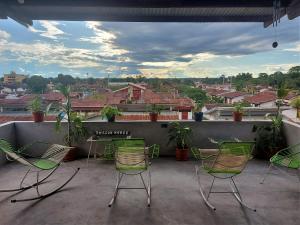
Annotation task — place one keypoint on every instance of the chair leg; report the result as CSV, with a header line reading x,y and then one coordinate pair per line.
x,y
237,195
201,190
49,194
120,176
148,187
266,174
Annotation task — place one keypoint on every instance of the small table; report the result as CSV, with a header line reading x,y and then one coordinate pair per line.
x,y
93,140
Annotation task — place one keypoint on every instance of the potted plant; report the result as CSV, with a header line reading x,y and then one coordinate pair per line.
x,y
198,114
269,139
37,110
238,112
110,112
296,104
75,128
154,112
180,134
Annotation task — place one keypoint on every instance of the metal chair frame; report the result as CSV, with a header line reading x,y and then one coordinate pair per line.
x,y
17,155
223,176
284,154
120,175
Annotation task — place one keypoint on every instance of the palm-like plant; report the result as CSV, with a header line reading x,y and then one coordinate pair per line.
x,y
180,134
75,129
296,104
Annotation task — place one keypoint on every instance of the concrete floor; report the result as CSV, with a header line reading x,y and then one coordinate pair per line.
x,y
175,198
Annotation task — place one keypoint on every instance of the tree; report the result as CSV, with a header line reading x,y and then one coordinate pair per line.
x,y
37,84
295,69
194,93
65,80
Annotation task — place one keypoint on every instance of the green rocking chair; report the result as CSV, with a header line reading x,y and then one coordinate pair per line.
x,y
50,161
131,158
228,162
286,158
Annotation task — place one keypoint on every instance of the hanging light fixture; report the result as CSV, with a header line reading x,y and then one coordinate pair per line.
x,y
276,19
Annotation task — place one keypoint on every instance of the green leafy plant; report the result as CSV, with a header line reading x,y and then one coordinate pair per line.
x,y
110,112
238,107
269,138
75,130
198,107
180,134
296,104
155,108
36,105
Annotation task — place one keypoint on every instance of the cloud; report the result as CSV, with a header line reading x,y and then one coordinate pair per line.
x,y
295,49
104,39
47,54
152,49
271,68
51,30
4,35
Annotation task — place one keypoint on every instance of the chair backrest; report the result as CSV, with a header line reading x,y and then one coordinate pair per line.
x,y
233,156
7,148
56,153
130,155
295,151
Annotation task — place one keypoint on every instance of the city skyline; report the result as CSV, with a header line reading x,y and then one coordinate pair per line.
x,y
149,49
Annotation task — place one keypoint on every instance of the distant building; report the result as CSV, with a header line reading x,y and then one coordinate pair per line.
x,y
233,97
14,78
266,99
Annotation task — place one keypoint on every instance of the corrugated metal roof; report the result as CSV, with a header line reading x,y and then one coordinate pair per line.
x,y
147,10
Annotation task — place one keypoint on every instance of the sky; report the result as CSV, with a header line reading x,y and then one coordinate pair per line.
x,y
121,49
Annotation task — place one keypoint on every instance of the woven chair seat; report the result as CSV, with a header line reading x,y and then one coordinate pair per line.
x,y
289,162
131,158
227,163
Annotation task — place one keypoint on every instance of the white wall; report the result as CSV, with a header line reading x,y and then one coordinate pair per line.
x,y
268,104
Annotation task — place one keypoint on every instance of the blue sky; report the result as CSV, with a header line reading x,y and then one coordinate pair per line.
x,y
151,49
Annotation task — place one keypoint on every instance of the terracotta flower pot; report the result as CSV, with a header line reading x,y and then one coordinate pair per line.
x,y
71,155
38,116
153,117
182,154
298,113
237,116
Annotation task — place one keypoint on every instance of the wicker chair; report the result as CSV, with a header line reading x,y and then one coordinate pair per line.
x,y
131,158
286,158
49,161
228,162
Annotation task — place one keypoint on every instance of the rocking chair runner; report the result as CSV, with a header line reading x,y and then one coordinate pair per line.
x,y
49,161
131,158
228,162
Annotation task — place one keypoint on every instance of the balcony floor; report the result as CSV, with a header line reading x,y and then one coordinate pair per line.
x,y
175,198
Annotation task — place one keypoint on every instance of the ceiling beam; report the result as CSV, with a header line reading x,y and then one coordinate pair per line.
x,y
150,3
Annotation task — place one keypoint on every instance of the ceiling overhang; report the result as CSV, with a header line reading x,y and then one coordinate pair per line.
x,y
25,11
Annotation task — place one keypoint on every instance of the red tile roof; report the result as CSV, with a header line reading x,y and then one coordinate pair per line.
x,y
8,118
214,105
87,103
262,97
291,95
233,94
146,117
215,92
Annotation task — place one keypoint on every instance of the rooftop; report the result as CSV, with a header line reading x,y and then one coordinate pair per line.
x,y
85,199
261,97
233,94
